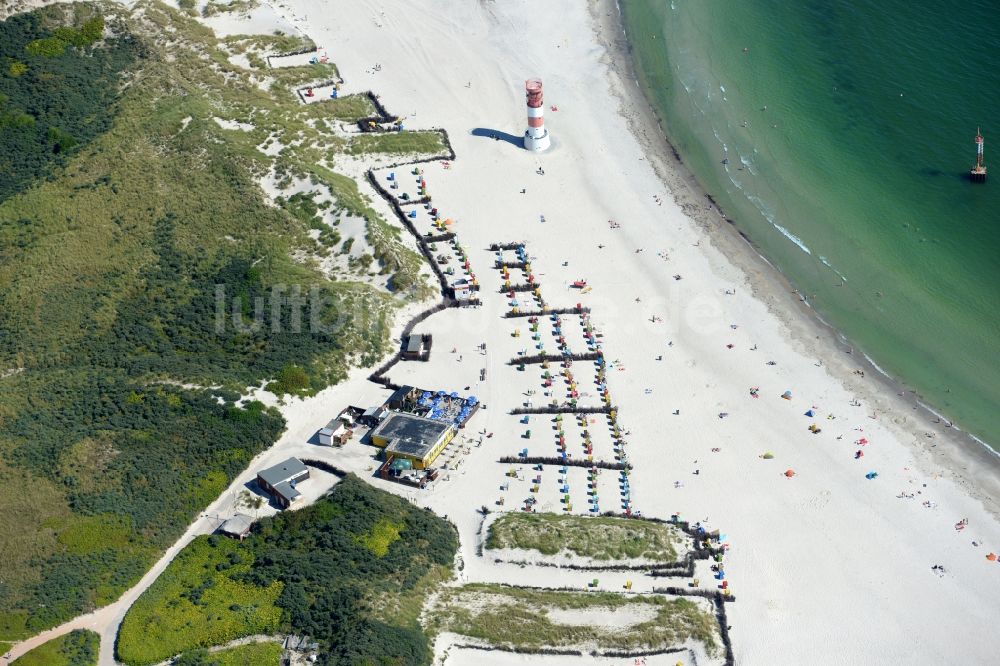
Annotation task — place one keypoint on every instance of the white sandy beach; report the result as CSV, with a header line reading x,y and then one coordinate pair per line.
x,y
828,567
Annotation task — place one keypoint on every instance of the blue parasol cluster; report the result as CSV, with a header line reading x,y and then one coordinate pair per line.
x,y
440,406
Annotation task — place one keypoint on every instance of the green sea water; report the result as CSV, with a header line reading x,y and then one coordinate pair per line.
x,y
854,179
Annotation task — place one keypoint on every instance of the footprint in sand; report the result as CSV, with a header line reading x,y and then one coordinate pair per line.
x,y
818,501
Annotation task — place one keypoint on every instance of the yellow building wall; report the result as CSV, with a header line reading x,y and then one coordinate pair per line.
x,y
380,441
436,451
428,460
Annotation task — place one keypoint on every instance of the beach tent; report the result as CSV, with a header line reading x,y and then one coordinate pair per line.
x,y
768,456
871,475
787,395
810,413
789,473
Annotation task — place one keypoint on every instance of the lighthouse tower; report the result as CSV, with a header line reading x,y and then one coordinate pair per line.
x,y
978,173
536,137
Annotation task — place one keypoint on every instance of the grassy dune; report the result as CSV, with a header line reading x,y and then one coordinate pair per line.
x,y
518,617
600,538
110,257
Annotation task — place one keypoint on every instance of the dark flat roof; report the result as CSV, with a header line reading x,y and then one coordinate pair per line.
x,y
283,471
399,394
411,434
287,490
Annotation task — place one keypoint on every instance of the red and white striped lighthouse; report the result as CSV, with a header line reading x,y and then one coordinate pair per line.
x,y
536,137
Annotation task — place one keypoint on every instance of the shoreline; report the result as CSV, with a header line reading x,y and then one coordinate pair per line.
x,y
974,464
826,530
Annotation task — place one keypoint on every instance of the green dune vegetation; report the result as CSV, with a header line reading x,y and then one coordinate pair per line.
x,y
352,571
136,249
532,619
603,538
403,142
77,648
252,654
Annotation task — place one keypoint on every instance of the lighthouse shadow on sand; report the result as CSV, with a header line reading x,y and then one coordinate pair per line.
x,y
497,135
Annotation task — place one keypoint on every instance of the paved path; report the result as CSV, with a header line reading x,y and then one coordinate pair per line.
x,y
352,457
105,621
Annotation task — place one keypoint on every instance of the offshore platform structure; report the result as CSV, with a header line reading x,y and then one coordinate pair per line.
x,y
978,173
536,137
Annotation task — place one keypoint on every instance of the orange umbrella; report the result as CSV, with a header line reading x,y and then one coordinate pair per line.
x,y
790,473
992,557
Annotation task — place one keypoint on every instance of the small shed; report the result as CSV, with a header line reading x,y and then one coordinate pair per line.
x,y
413,347
300,643
373,416
417,347
334,434
403,398
238,526
463,297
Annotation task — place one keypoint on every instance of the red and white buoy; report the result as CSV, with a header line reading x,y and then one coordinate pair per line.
x,y
978,173
536,137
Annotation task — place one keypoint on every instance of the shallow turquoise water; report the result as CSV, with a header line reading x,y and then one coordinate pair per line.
x,y
853,180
